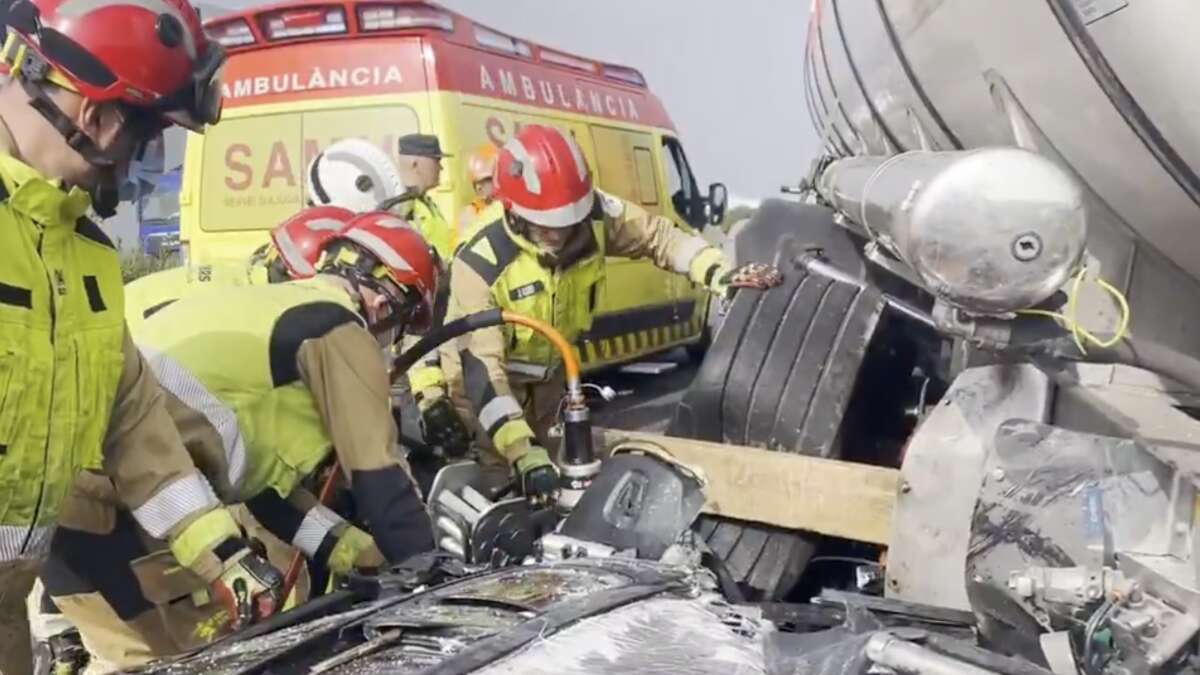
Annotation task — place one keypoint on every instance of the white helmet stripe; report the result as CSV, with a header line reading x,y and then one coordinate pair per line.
x,y
290,252
528,173
324,224
74,9
379,249
562,216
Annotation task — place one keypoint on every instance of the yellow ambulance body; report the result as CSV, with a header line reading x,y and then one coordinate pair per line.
x,y
302,75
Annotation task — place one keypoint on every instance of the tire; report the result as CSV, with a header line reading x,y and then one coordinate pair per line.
x,y
779,375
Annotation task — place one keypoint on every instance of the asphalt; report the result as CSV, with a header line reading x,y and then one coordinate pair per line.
x,y
645,402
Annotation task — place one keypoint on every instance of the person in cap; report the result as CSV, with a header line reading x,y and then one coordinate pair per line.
x,y
75,395
545,258
264,404
421,170
483,207
294,248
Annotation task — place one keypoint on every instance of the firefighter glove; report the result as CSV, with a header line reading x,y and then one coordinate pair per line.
x,y
355,550
539,477
758,276
442,426
249,588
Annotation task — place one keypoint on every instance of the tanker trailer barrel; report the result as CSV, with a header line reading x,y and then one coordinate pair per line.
x,y
990,231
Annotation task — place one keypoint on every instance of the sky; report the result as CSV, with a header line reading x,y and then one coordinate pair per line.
x,y
728,73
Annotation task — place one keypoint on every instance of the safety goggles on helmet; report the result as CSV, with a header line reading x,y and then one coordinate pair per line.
x,y
173,72
407,308
198,103
385,253
299,241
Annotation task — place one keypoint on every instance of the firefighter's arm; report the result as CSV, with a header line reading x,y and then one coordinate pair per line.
x,y
425,378
156,478
483,357
316,530
633,233
346,373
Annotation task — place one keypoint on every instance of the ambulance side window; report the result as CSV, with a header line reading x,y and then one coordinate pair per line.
x,y
681,184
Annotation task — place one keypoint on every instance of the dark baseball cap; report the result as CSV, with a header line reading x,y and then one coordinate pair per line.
x,y
422,145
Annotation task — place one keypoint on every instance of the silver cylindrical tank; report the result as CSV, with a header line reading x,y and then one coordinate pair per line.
x,y
991,230
1107,88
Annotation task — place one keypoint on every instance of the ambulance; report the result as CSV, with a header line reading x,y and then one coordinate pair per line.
x,y
302,75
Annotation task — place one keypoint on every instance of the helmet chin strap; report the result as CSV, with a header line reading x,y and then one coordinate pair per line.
x,y
34,77
354,280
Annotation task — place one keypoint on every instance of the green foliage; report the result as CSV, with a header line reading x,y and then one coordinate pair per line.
x,y
138,264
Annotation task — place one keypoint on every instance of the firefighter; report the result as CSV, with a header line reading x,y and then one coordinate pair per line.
x,y
483,208
358,175
421,170
353,174
264,404
295,247
544,258
76,395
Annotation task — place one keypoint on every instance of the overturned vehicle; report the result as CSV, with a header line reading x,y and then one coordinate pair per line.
x,y
958,439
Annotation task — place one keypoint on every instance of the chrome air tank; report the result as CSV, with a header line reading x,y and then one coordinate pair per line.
x,y
1109,89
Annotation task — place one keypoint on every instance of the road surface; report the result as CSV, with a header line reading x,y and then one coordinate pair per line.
x,y
646,402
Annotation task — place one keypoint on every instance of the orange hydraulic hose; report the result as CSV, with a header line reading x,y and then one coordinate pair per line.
x,y
570,363
488,319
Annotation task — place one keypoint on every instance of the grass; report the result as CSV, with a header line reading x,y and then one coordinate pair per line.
x,y
138,264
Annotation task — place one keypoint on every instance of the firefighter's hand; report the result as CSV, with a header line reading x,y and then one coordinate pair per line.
x,y
442,426
249,588
758,276
539,477
355,550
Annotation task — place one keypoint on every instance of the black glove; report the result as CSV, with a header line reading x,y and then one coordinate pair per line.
x,y
539,477
442,426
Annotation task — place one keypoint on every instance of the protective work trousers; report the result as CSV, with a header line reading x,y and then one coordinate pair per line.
x,y
124,591
16,578
539,402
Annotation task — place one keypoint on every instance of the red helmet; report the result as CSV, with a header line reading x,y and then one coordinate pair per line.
x,y
301,239
542,176
148,54
404,255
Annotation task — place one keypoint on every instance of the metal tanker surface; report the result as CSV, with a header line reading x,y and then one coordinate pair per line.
x,y
1105,88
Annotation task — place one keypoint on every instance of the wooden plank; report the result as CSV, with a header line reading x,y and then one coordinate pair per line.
x,y
841,499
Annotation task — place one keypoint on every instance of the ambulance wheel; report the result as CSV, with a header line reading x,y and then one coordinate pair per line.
x,y
779,375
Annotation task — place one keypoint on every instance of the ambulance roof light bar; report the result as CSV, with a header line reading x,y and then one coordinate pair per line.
x,y
303,22
624,74
567,61
231,33
379,16
486,37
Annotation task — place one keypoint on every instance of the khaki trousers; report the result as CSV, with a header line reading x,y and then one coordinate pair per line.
x,y
539,402
16,653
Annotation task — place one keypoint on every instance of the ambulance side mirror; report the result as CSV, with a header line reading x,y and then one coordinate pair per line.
x,y
718,199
